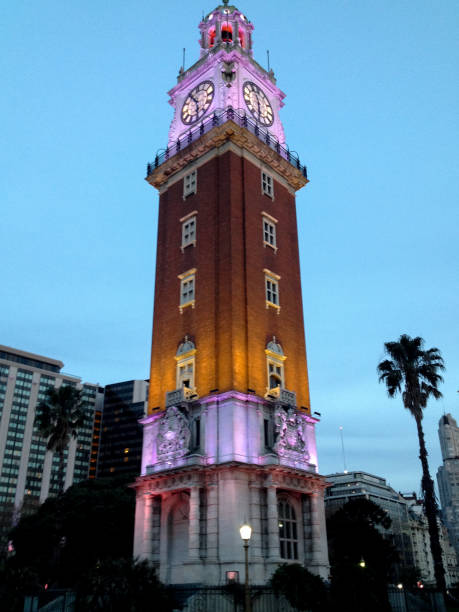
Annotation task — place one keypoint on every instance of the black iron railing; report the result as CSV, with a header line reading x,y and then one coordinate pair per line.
x,y
218,118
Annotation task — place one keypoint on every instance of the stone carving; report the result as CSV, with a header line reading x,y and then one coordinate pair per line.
x,y
174,435
228,72
290,441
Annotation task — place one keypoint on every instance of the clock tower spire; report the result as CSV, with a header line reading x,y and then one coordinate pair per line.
x,y
229,436
226,76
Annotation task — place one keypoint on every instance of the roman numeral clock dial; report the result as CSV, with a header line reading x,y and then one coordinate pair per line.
x,y
258,104
197,102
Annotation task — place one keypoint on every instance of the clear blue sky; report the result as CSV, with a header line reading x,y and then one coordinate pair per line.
x,y
372,108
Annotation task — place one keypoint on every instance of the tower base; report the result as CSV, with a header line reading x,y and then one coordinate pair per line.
x,y
190,508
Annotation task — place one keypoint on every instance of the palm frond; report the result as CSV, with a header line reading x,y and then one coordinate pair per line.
x,y
414,368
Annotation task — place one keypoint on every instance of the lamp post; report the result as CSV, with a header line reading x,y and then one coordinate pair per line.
x,y
246,532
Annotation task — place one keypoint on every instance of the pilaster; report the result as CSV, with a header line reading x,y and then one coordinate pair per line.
x,y
273,524
193,532
319,551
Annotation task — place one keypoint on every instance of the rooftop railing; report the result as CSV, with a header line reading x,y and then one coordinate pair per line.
x,y
219,117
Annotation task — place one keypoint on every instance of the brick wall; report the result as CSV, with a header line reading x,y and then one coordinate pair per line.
x,y
230,323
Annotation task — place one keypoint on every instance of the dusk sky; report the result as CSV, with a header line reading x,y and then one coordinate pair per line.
x,y
372,108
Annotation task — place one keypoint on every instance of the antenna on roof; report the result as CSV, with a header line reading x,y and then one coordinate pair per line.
x,y
267,53
183,61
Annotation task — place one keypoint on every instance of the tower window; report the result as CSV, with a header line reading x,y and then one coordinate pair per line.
x,y
211,37
288,530
196,433
272,292
190,183
188,230
187,289
267,184
227,33
275,367
269,231
268,433
185,374
275,374
272,289
185,370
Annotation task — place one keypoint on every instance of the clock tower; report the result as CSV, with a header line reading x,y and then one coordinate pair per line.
x,y
229,437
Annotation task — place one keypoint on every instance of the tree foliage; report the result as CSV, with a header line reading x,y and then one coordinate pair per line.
x,y
15,583
303,590
59,416
414,373
354,537
122,585
91,521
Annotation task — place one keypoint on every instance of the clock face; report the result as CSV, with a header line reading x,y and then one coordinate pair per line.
x,y
258,104
197,102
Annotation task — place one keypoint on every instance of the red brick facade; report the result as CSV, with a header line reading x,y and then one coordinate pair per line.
x,y
230,324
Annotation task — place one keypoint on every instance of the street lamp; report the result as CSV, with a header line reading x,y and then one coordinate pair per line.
x,y
246,532
362,563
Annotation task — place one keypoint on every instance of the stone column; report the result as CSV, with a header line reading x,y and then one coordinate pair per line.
x,y
156,529
255,519
212,522
319,552
147,521
142,531
273,523
307,539
193,531
236,32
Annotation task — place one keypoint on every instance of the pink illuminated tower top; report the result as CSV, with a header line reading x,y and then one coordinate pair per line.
x,y
226,75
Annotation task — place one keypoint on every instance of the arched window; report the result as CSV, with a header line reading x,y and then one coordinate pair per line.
x,y
185,373
211,37
275,367
241,37
227,32
275,375
288,530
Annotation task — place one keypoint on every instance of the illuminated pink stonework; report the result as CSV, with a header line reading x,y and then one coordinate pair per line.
x,y
228,65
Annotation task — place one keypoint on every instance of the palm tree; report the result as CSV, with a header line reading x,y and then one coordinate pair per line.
x,y
414,373
58,417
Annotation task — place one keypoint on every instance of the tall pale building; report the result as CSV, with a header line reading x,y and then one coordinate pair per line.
x,y
229,436
28,472
448,476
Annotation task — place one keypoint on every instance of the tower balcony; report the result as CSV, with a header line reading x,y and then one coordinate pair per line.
x,y
181,395
281,396
219,118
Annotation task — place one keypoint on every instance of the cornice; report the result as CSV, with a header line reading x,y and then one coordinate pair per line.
x,y
185,477
218,136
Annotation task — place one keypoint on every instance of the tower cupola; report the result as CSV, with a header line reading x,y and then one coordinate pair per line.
x,y
226,76
225,27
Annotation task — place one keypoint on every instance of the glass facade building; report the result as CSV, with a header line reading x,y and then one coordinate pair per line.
x,y
121,436
28,472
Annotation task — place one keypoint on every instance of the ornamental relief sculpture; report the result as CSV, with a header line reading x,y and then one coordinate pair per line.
x,y
290,441
174,435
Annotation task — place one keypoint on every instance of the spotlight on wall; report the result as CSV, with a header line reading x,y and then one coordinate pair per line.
x,y
251,391
318,413
213,391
